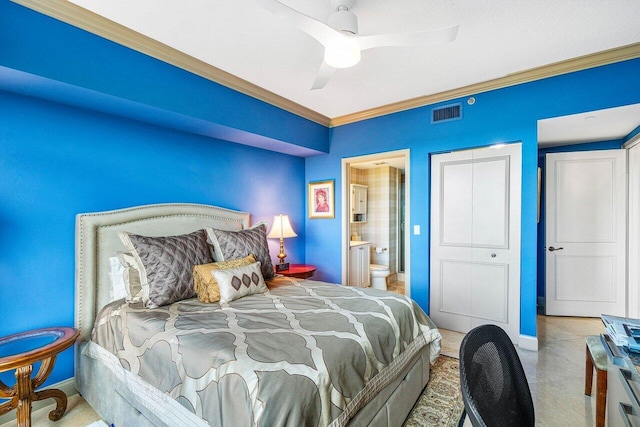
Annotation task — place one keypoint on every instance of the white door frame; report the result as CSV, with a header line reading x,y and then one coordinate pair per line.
x,y
346,179
633,226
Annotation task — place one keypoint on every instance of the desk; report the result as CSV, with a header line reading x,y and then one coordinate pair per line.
x,y
300,271
623,376
20,352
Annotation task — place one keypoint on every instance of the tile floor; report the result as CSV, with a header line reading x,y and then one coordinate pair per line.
x,y
555,374
79,414
397,287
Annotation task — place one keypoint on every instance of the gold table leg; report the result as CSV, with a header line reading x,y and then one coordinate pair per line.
x,y
7,393
61,402
24,391
22,394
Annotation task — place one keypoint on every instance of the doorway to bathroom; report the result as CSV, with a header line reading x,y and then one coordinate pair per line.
x,y
375,201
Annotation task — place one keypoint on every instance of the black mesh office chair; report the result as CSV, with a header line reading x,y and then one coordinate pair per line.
x,y
494,388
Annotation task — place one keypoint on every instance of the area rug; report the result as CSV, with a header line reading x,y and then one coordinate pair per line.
x,y
441,401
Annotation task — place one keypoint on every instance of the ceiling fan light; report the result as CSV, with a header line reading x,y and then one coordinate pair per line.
x,y
342,56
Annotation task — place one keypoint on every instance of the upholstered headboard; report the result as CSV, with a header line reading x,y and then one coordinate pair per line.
x,y
97,240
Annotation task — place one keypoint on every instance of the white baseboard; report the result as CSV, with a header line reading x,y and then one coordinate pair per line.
x,y
527,342
67,386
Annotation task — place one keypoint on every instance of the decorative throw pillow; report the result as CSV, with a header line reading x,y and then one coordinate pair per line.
x,y
165,265
237,244
131,277
238,282
205,284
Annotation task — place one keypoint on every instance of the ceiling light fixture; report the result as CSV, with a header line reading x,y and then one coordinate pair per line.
x,y
345,53
342,56
341,39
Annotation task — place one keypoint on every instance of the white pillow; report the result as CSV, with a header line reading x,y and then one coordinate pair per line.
x,y
116,278
131,277
235,283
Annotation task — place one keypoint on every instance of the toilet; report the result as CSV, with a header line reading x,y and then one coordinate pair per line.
x,y
379,275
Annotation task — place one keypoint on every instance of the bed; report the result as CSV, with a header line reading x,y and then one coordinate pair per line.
x,y
301,378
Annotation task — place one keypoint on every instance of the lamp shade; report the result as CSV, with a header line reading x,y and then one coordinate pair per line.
x,y
281,228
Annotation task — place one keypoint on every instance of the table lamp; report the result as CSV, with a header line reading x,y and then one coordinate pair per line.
x,y
281,229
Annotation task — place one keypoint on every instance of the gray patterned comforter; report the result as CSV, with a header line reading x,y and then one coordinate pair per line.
x,y
302,355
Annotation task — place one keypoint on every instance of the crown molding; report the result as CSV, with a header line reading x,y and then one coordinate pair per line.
x,y
610,56
82,18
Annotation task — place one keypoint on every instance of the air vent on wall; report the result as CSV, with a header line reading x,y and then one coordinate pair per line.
x,y
446,113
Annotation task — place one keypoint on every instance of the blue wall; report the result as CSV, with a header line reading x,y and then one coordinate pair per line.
x,y
58,161
104,73
504,115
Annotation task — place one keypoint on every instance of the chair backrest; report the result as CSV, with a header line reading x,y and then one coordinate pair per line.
x,y
494,387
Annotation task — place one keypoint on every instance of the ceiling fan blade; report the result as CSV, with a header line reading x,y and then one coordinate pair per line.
x,y
316,29
324,75
420,38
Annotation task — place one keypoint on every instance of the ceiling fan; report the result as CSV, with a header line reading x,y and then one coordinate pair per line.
x,y
342,43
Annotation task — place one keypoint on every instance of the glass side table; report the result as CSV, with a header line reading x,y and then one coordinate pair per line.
x,y
20,351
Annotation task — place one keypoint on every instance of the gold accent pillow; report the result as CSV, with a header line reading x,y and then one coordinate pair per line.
x,y
206,285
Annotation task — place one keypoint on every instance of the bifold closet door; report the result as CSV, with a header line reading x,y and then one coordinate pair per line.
x,y
475,238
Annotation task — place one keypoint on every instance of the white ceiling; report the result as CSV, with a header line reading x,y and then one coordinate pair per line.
x,y
592,126
496,38
380,161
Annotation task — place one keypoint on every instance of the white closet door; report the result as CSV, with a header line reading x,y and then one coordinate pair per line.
x,y
475,239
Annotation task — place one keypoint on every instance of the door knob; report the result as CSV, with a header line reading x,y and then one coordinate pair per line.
x,y
551,249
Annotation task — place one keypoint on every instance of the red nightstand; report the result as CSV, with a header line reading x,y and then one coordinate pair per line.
x,y
301,271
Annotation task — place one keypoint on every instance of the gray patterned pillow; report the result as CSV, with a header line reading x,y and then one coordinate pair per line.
x,y
235,283
238,244
165,265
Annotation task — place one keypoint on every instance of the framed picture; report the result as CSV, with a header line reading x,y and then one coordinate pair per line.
x,y
321,200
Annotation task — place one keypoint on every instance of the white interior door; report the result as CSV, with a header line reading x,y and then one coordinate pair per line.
x,y
475,239
586,202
